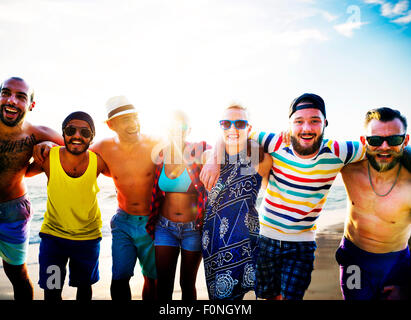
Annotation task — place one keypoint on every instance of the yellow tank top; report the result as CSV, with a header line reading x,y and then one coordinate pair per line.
x,y
72,208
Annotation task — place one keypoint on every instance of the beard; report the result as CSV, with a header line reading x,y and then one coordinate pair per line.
x,y
8,122
76,152
306,151
383,166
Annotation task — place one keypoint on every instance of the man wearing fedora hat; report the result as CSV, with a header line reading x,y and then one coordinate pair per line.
x,y
128,157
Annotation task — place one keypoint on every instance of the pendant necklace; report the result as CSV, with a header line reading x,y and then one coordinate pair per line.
x,y
392,187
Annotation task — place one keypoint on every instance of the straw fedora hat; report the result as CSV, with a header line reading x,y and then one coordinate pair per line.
x,y
117,106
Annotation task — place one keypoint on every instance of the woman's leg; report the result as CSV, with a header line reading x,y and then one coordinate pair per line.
x,y
190,261
166,262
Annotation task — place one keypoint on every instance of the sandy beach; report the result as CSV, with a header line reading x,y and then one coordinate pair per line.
x,y
324,284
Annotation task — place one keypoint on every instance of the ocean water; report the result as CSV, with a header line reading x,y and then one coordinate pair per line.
x,y
37,191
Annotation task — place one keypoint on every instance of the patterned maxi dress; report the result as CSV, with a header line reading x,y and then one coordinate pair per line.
x,y
230,231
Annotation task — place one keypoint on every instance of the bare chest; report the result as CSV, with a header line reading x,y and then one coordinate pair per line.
x,y
389,202
15,152
134,164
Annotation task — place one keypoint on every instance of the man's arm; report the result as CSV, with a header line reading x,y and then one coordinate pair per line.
x,y
264,169
102,167
47,138
99,149
33,169
268,141
37,167
48,134
349,151
211,169
406,158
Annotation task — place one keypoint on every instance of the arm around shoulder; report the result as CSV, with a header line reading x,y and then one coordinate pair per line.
x,y
264,169
37,167
48,134
406,158
102,167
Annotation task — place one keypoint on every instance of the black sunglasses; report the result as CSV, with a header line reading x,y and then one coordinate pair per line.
x,y
238,124
70,131
394,140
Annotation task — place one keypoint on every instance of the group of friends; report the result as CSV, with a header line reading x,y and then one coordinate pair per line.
x,y
178,198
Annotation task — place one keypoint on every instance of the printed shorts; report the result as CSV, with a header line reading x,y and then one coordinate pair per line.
x,y
15,217
131,242
374,271
284,267
177,234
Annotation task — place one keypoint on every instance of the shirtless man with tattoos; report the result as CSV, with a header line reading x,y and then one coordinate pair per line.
x,y
17,139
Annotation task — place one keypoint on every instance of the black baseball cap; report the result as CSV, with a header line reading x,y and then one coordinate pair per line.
x,y
316,102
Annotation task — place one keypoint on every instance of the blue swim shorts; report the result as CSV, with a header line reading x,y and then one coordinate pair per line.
x,y
177,234
375,271
131,242
82,256
284,267
15,217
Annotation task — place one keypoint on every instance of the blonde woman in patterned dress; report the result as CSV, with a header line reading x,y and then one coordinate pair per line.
x,y
231,227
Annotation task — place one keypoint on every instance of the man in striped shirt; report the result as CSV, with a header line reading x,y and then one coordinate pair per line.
x,y
300,179
302,174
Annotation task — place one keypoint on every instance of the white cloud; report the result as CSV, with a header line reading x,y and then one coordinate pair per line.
x,y
398,10
404,19
328,16
347,29
374,1
389,10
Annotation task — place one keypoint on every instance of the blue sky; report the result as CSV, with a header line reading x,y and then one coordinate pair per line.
x,y
200,56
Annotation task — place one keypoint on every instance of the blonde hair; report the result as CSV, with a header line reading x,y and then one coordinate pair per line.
x,y
238,106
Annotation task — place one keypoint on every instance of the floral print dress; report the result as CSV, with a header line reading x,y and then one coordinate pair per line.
x,y
230,231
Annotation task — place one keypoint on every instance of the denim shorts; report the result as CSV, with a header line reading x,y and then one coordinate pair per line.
x,y
131,242
15,217
82,256
177,234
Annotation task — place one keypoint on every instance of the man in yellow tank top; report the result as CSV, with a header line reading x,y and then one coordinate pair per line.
x,y
71,230
128,157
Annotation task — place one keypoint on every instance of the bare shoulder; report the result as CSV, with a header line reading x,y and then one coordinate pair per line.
x,y
354,167
150,141
406,177
103,145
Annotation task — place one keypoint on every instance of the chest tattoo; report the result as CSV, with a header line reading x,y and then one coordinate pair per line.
x,y
11,146
15,154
